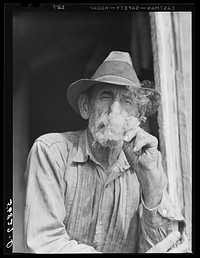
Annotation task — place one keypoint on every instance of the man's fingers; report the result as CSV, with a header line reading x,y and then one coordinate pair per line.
x,y
182,247
131,134
166,244
142,139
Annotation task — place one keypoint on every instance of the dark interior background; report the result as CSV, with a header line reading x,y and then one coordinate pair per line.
x,y
52,50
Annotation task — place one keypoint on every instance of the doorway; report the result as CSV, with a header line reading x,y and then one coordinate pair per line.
x,y
52,50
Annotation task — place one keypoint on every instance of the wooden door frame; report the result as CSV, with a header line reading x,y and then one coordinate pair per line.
x,y
171,42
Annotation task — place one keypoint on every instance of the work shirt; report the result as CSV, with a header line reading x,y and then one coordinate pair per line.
x,y
74,205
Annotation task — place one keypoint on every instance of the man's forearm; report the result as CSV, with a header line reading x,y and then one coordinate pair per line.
x,y
152,191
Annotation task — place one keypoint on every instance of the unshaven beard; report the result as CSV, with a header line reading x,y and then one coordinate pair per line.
x,y
108,130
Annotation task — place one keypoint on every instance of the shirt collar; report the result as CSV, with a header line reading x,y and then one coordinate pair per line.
x,y
84,153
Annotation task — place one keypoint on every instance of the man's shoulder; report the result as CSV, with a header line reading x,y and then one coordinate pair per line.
x,y
50,139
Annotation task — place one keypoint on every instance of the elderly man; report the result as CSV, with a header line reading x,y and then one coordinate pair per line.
x,y
102,189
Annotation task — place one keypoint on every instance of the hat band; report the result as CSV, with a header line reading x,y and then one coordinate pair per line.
x,y
116,68
114,79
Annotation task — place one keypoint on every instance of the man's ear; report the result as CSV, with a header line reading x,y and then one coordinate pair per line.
x,y
83,104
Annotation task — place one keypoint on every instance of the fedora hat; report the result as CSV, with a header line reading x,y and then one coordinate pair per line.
x,y
117,69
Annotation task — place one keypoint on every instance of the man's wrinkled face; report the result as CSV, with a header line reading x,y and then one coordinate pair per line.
x,y
112,112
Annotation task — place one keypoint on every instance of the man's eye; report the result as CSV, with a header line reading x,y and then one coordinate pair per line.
x,y
128,101
105,97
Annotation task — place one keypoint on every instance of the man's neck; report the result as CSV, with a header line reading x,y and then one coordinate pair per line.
x,y
104,155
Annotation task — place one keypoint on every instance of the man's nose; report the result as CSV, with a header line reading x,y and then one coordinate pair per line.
x,y
115,107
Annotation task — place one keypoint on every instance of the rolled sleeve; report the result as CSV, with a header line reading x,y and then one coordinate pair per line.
x,y
44,230
157,223
163,213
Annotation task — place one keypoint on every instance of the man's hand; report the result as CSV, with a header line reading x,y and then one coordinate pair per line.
x,y
166,246
141,152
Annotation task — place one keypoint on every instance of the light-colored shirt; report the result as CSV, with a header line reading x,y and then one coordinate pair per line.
x,y
73,205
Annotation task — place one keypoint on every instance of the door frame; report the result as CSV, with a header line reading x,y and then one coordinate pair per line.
x,y
171,34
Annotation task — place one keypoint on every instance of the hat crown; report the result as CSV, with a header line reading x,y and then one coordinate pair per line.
x,y
119,56
117,68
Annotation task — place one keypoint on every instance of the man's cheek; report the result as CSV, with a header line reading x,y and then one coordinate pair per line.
x,y
101,109
100,114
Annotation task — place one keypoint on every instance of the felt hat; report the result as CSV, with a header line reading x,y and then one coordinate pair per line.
x,y
117,69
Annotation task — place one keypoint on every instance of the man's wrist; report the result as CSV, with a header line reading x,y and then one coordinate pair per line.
x,y
151,215
152,202
153,207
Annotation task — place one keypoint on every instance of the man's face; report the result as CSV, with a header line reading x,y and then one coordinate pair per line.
x,y
112,112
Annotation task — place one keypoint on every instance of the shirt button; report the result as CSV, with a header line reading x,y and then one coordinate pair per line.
x,y
164,212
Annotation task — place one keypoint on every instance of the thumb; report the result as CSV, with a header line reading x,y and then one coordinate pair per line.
x,y
163,246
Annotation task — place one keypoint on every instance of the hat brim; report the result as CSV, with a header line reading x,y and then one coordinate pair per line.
x,y
82,85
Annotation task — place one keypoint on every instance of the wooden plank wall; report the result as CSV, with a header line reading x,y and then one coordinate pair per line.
x,y
171,42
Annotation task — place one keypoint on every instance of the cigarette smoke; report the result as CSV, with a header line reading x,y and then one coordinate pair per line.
x,y
110,129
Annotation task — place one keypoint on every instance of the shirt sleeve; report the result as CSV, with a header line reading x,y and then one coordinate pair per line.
x,y
157,223
44,230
